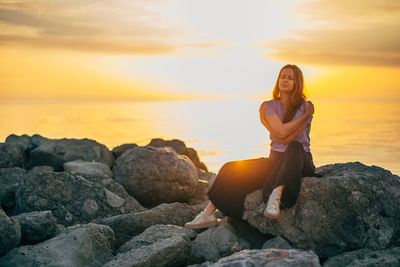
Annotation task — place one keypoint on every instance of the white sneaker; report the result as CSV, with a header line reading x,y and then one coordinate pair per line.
x,y
202,220
272,210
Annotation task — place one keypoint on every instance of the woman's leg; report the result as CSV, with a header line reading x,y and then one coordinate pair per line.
x,y
285,179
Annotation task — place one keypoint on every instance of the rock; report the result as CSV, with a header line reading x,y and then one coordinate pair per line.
x,y
131,204
36,226
128,225
155,233
225,239
71,198
156,175
172,251
86,168
80,245
10,233
56,152
41,169
119,150
11,156
10,178
277,242
366,257
180,148
268,258
353,206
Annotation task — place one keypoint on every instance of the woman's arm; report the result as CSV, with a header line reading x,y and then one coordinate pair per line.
x,y
282,130
287,139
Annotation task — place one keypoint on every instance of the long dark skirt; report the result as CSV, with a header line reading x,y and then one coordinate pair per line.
x,y
236,179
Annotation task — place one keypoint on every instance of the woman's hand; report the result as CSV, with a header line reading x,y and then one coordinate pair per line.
x,y
309,108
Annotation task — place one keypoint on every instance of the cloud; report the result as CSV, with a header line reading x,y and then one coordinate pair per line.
x,y
122,26
343,33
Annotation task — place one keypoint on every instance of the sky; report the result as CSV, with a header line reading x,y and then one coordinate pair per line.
x,y
187,50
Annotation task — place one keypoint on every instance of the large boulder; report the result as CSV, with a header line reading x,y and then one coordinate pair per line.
x,y
131,204
353,206
10,233
56,152
172,251
128,225
225,239
87,168
12,156
36,226
80,245
71,198
156,233
366,257
119,150
156,175
10,178
268,258
180,148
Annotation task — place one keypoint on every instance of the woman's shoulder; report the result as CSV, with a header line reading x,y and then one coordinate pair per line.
x,y
269,103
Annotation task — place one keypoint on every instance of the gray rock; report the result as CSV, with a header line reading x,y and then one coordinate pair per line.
x,y
10,233
119,150
215,243
36,226
41,169
130,205
56,152
156,175
277,242
180,148
156,233
86,168
72,199
10,178
352,206
366,257
80,245
172,251
128,225
268,258
11,156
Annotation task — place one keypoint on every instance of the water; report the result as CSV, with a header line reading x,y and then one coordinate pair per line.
x,y
221,131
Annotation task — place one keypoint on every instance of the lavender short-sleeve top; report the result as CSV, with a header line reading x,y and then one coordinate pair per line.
x,y
275,107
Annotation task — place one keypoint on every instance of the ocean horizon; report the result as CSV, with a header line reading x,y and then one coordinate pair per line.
x,y
343,130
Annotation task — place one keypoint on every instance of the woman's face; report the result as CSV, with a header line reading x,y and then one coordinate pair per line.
x,y
286,81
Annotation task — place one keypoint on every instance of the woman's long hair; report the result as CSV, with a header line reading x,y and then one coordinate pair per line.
x,y
297,96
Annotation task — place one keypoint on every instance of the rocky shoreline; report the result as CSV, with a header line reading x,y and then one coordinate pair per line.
x,y
73,202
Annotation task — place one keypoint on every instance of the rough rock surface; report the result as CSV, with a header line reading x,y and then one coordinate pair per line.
x,y
180,148
72,199
156,233
172,251
277,242
128,225
119,150
225,239
86,168
56,152
268,258
10,178
131,204
352,206
156,175
366,257
79,245
36,226
12,155
10,233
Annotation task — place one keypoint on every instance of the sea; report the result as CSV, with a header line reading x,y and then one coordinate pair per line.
x,y
343,130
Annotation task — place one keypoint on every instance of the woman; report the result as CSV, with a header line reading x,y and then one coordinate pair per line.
x,y
288,119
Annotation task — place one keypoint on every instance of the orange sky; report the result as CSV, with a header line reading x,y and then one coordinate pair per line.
x,y
170,49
